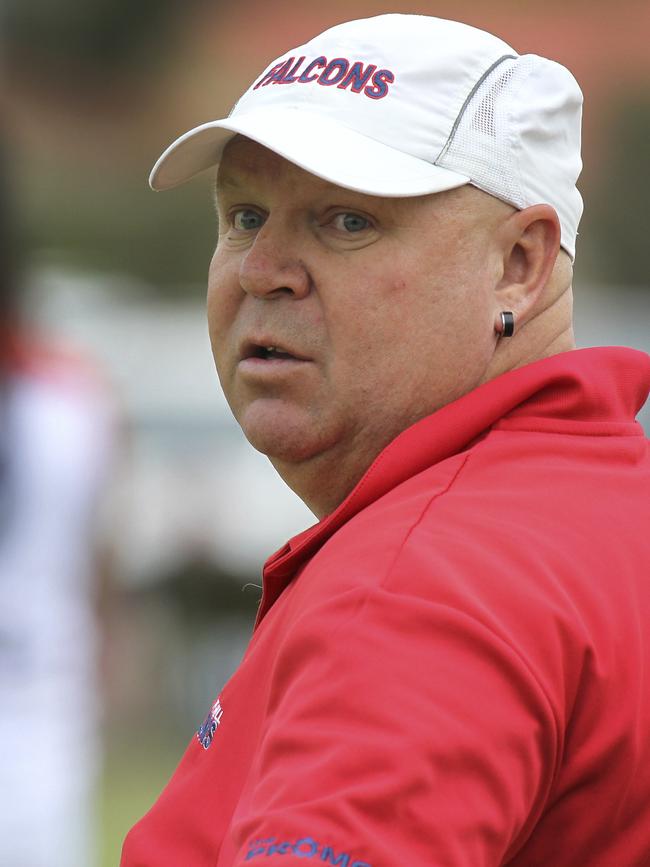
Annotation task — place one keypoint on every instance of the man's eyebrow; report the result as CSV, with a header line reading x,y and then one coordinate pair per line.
x,y
222,181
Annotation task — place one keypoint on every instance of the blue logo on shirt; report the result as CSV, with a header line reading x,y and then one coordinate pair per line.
x,y
210,725
306,847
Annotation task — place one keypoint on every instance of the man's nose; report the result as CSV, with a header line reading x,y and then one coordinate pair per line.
x,y
272,266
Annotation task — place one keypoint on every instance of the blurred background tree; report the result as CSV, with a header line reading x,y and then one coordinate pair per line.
x,y
82,80
619,209
79,44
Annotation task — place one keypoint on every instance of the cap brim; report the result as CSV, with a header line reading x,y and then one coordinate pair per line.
x,y
315,143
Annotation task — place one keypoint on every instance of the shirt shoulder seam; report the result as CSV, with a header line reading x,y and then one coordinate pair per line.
x,y
418,520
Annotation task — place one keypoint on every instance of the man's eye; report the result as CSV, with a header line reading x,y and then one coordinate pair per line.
x,y
351,222
246,219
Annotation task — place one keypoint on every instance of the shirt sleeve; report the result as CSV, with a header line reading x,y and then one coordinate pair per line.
x,y
400,731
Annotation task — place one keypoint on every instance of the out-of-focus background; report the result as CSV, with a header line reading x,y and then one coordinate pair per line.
x,y
111,279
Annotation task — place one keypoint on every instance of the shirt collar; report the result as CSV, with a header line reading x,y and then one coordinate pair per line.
x,y
596,391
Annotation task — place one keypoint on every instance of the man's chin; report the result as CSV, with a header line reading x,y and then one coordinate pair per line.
x,y
287,437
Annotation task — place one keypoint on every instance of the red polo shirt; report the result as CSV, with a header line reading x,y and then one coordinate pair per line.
x,y
453,668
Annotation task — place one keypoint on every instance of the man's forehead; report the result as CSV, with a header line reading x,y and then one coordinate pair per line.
x,y
244,159
246,163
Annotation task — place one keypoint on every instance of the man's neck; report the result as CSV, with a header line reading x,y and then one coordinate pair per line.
x,y
325,480
548,333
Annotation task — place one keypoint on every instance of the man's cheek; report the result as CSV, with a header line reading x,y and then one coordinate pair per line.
x,y
222,310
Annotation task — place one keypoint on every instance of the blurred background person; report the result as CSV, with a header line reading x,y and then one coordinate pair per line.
x,y
56,435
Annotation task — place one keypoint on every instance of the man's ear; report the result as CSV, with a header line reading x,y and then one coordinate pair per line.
x,y
530,241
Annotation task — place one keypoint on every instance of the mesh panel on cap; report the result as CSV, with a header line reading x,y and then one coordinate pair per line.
x,y
481,145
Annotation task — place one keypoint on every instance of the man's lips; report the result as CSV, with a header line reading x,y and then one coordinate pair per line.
x,y
265,360
269,349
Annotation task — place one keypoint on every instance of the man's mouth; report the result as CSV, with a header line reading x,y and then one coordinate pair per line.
x,y
270,352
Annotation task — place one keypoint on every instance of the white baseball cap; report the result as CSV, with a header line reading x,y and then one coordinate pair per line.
x,y
407,105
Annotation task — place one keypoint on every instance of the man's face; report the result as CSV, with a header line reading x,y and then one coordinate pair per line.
x,y
380,310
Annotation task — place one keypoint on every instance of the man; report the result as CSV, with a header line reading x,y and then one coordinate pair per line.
x,y
449,667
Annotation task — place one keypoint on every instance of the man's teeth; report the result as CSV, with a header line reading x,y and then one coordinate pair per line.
x,y
274,352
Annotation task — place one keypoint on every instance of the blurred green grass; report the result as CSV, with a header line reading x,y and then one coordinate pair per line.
x,y
133,777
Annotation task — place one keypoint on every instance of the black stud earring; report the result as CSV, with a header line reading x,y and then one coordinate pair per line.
x,y
508,322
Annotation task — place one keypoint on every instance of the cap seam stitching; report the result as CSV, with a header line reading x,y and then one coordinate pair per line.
x,y
468,99
513,140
